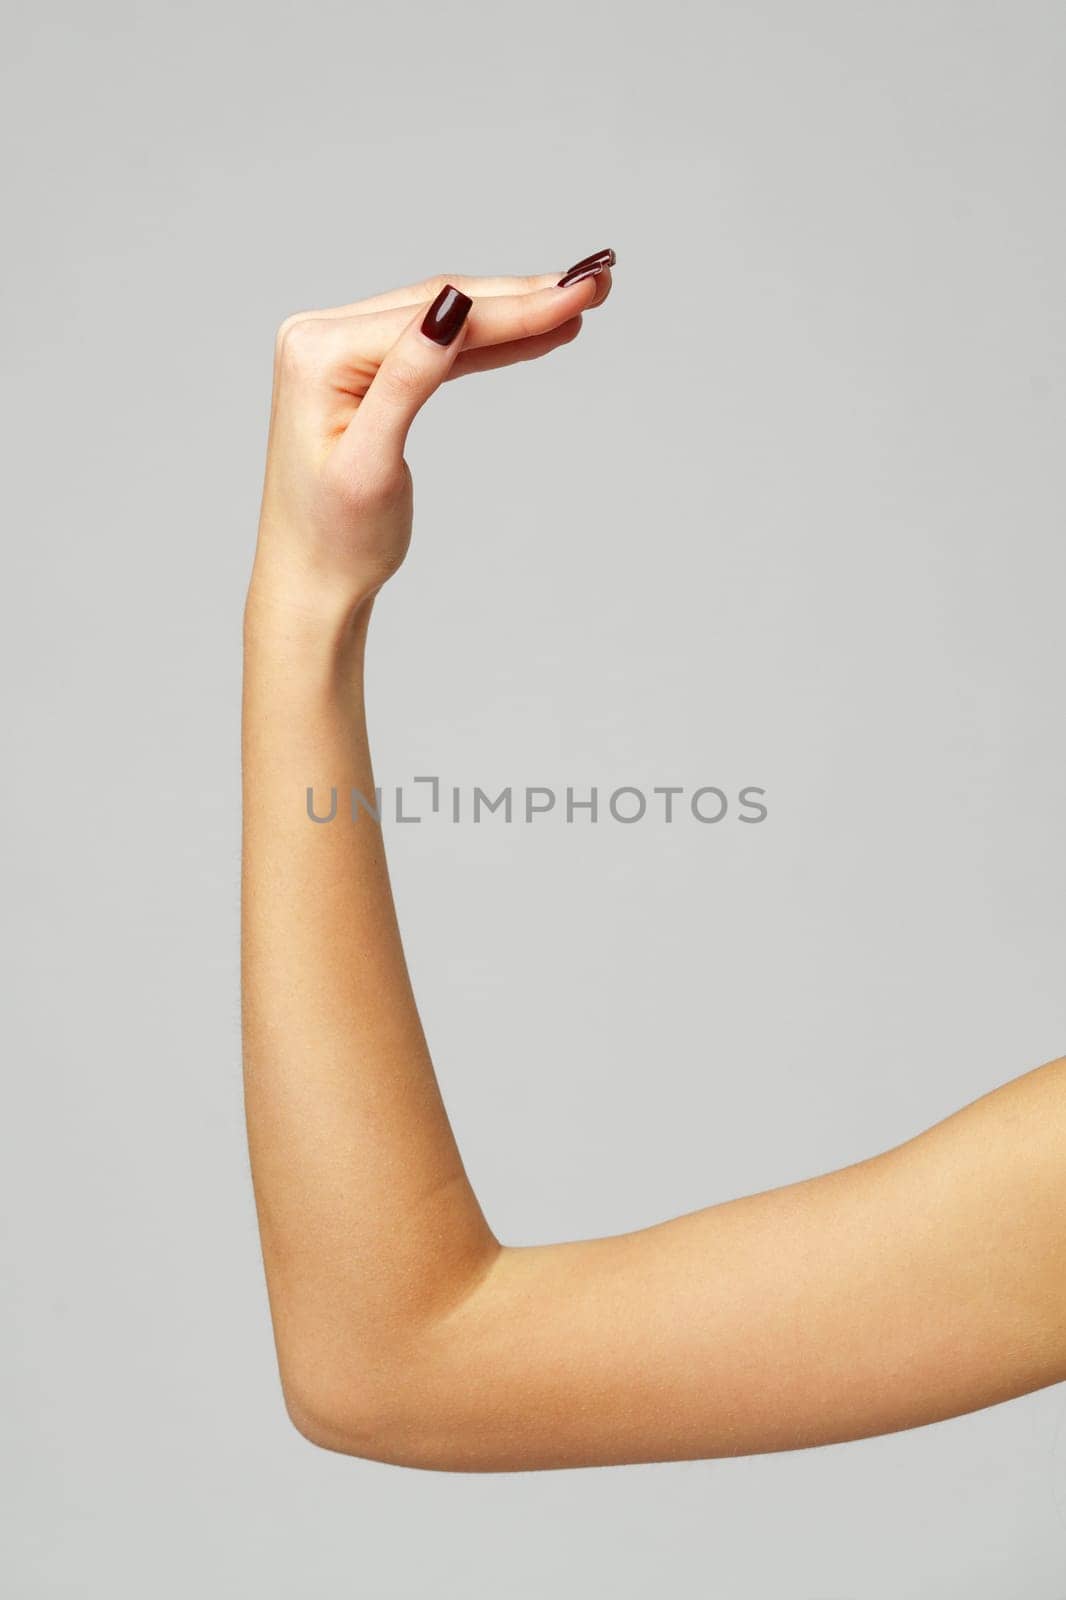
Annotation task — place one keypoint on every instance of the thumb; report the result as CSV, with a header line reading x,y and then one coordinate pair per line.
x,y
414,367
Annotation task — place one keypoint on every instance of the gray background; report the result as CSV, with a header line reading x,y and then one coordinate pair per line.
x,y
789,513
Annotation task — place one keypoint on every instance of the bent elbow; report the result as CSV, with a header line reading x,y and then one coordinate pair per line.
x,y
345,1413
406,1394
393,1417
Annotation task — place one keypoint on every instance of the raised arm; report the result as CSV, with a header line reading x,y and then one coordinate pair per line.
x,y
924,1282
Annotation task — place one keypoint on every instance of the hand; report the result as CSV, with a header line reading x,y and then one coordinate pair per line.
x,y
348,382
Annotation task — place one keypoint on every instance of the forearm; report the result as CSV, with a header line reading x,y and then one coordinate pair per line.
x,y
370,1229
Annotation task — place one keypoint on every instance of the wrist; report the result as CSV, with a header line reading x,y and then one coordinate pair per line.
x,y
300,616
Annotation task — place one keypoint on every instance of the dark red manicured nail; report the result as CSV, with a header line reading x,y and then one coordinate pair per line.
x,y
446,315
576,274
605,258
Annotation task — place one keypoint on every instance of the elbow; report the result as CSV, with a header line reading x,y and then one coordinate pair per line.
x,y
330,1420
395,1412
349,1411
342,1434
410,1391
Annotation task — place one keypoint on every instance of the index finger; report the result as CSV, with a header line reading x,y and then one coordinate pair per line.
x,y
415,294
477,288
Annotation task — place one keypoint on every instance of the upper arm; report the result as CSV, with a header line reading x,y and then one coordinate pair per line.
x,y
927,1281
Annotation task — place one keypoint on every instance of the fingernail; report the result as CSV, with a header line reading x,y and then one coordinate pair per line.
x,y
446,315
606,258
576,274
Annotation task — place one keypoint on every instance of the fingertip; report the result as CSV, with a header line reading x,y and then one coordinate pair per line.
x,y
604,283
582,292
595,280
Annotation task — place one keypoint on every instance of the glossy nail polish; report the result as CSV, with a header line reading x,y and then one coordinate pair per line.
x,y
605,258
576,274
446,315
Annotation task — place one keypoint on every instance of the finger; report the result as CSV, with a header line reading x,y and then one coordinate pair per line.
x,y
420,294
484,288
477,289
410,371
604,284
494,321
525,316
507,355
545,286
417,294
474,288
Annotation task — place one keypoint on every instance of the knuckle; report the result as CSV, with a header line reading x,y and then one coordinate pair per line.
x,y
432,287
285,328
298,345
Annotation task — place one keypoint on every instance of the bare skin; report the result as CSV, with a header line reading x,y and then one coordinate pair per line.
x,y
926,1281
